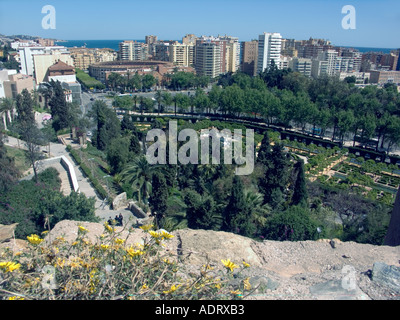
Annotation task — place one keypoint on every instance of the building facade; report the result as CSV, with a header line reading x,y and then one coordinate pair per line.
x,y
181,54
301,65
269,49
381,77
133,51
249,57
208,59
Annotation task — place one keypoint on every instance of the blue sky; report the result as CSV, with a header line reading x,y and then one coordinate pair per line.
x,y
377,21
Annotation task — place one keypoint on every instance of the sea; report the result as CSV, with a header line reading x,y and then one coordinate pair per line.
x,y
114,44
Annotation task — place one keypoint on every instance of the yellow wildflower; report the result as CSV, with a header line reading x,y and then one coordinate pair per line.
x,y
166,235
237,292
74,265
146,227
172,289
108,228
104,246
83,229
119,241
45,232
246,284
9,266
34,239
15,298
155,234
60,263
229,264
246,264
133,252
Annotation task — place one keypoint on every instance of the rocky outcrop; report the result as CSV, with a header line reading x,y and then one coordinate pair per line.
x,y
7,231
279,270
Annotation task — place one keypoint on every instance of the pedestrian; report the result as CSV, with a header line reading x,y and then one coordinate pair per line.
x,y
121,218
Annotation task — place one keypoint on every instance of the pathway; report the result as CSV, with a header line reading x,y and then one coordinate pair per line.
x,y
104,212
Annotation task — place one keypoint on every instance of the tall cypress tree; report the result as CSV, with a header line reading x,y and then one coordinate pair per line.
x,y
158,198
300,194
58,106
24,106
276,176
236,215
264,153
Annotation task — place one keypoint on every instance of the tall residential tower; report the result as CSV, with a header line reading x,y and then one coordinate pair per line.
x,y
269,48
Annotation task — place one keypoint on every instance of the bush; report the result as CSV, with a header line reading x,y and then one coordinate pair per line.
x,y
294,224
38,205
109,269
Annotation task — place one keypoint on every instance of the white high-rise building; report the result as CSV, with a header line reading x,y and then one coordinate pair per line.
x,y
269,48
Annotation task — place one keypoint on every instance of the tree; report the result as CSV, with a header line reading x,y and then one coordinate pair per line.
x,y
148,81
159,98
237,217
167,98
181,101
201,100
118,153
146,104
215,96
33,139
273,184
264,153
138,174
300,195
158,198
8,171
59,107
24,106
201,211
107,123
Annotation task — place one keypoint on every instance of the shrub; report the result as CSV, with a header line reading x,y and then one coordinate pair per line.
x,y
294,224
109,269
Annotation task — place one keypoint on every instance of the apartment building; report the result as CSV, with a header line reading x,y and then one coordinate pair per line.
x,y
229,51
16,83
189,39
381,76
181,54
133,51
301,65
26,56
208,59
269,49
42,62
249,57
84,57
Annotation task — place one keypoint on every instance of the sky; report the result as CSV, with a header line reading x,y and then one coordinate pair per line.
x,y
377,22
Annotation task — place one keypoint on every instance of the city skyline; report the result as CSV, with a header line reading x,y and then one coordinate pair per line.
x,y
376,21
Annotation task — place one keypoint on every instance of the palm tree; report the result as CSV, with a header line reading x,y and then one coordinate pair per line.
x,y
139,174
159,99
167,98
259,211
